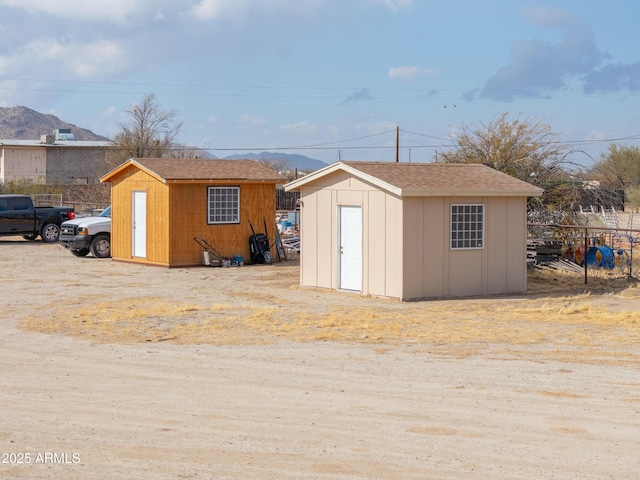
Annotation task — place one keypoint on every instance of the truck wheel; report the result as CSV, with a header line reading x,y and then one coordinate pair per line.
x,y
30,236
101,246
50,232
83,252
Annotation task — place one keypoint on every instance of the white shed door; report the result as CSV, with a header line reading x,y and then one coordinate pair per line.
x,y
350,248
139,224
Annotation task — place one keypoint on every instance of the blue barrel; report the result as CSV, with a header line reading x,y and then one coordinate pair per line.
x,y
287,227
602,257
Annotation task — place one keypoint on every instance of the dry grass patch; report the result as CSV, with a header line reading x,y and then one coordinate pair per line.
x,y
576,327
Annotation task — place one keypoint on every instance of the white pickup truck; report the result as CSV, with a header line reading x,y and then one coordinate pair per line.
x,y
88,234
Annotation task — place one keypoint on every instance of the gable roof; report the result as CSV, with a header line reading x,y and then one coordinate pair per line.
x,y
176,170
428,179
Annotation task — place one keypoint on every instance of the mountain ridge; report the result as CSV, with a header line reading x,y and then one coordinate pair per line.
x,y
23,123
292,160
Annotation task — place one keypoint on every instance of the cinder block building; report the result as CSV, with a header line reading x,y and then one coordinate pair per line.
x,y
55,158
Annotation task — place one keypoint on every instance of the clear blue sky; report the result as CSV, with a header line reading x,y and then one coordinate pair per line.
x,y
335,75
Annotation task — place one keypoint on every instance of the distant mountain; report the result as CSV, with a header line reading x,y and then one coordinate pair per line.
x,y
22,123
293,160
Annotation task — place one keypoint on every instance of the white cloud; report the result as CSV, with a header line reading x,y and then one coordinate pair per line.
x,y
410,74
395,5
300,128
551,17
251,121
216,9
95,59
212,9
117,11
84,61
595,135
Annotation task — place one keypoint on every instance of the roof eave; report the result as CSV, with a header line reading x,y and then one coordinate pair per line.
x,y
470,193
106,178
339,166
226,180
300,182
131,162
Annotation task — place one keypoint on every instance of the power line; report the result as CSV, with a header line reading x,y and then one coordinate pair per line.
x,y
342,141
436,94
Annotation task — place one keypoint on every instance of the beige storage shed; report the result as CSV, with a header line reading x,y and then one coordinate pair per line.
x,y
413,230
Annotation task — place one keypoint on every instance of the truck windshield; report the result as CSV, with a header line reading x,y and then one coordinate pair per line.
x,y
106,212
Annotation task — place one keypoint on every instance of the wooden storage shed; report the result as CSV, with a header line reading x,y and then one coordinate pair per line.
x,y
158,206
412,231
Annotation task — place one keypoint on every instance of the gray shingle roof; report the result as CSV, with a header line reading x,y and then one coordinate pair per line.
x,y
202,169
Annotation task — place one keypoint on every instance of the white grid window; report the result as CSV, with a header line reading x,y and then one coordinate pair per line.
x,y
467,226
224,205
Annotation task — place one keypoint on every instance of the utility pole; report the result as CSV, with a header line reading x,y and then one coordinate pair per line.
x,y
397,144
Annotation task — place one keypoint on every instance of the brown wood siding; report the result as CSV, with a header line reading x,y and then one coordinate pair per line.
x,y
158,223
157,218
176,212
121,218
188,219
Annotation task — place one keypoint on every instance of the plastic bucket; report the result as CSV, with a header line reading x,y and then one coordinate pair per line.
x,y
287,227
602,257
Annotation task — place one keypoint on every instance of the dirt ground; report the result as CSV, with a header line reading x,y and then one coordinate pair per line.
x,y
119,371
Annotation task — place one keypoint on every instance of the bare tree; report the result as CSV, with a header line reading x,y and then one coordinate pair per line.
x,y
183,151
276,164
150,133
523,148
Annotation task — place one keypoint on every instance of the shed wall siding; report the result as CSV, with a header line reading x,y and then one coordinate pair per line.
x,y
375,231
425,247
516,252
319,265
309,257
432,269
326,240
188,207
496,242
506,245
406,245
157,217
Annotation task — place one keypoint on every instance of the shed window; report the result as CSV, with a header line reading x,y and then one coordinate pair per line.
x,y
467,226
224,205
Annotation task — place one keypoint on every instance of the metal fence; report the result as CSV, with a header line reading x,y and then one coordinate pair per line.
x,y
47,199
287,200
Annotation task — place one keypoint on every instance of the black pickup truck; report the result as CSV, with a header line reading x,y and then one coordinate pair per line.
x,y
18,216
